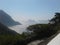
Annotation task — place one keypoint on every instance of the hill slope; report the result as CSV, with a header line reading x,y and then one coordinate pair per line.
x,y
6,19
9,37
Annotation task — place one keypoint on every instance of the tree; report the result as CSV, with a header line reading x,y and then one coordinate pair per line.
x,y
45,30
56,19
42,31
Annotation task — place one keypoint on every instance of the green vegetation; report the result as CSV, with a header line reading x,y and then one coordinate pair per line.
x,y
10,37
38,31
46,30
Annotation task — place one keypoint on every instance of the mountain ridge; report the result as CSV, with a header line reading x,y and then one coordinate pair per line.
x,y
7,20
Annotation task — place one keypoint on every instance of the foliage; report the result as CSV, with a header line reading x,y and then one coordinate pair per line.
x,y
39,31
46,30
10,37
56,19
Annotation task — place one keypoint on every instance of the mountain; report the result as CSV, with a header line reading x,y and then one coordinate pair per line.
x,y
5,30
43,21
30,22
6,19
9,37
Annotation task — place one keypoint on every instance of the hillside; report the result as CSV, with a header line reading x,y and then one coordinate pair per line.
x,y
7,20
46,31
5,30
9,37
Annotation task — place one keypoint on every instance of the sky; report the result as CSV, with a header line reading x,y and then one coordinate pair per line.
x,y
22,10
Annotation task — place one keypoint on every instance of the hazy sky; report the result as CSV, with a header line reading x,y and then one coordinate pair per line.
x,y
30,9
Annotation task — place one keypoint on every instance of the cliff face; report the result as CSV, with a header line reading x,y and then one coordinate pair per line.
x,y
6,19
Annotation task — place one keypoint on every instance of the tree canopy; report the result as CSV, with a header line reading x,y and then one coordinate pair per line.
x,y
56,18
46,30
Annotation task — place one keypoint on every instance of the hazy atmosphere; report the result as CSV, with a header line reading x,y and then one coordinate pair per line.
x,y
29,22
22,10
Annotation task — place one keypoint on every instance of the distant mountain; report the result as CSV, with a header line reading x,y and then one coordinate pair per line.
x,y
6,19
43,21
37,22
30,22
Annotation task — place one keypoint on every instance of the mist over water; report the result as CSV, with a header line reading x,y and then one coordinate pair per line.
x,y
23,27
19,28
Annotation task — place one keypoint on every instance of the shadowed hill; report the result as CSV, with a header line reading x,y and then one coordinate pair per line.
x,y
4,30
6,19
10,37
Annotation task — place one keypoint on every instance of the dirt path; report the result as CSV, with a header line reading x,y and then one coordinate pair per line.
x,y
35,42
45,41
